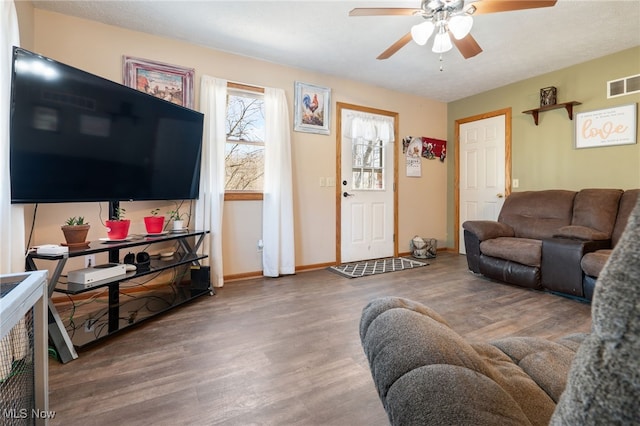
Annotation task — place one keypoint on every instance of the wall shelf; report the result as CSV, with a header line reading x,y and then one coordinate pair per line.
x,y
566,105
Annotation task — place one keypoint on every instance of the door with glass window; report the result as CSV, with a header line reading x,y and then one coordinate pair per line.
x,y
366,186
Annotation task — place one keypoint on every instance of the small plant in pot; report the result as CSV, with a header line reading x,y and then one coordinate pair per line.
x,y
178,219
154,223
118,226
75,232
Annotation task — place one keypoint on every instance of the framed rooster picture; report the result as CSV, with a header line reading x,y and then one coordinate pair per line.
x,y
311,108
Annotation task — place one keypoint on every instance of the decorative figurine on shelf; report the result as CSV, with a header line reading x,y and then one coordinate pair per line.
x,y
548,96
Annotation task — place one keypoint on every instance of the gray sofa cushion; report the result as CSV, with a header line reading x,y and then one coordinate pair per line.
x,y
544,361
425,373
604,380
448,395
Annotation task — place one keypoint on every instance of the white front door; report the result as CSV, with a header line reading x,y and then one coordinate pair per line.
x,y
366,192
482,170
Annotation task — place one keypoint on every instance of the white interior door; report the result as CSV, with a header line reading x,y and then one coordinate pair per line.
x,y
482,170
366,187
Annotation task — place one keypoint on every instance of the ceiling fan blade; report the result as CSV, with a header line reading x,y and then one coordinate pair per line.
x,y
493,6
395,47
468,46
383,11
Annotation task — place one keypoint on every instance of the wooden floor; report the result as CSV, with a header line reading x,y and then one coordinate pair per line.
x,y
283,351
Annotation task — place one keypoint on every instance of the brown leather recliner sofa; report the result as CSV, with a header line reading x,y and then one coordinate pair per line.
x,y
540,237
592,263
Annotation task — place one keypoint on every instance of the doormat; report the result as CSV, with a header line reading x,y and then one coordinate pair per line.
x,y
375,266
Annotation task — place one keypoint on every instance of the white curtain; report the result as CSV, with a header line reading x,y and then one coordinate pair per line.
x,y
278,255
369,127
209,206
12,235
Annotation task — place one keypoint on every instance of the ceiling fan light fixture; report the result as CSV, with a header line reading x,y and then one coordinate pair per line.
x,y
433,4
452,18
460,26
442,42
421,32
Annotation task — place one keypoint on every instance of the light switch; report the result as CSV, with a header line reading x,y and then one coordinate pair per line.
x,y
323,181
515,183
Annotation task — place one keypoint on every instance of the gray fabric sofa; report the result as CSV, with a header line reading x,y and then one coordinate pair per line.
x,y
540,238
426,374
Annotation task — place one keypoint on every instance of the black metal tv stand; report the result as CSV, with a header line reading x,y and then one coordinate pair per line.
x,y
113,320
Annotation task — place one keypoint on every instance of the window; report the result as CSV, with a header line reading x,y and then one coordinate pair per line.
x,y
367,164
244,152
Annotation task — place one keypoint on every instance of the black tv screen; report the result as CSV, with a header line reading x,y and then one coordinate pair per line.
x,y
78,137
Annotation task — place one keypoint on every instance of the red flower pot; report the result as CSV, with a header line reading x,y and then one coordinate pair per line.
x,y
118,229
154,224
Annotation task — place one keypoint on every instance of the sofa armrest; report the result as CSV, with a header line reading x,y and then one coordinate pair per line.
x,y
488,229
472,251
581,233
560,266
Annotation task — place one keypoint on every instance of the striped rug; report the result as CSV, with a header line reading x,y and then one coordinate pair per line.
x,y
375,266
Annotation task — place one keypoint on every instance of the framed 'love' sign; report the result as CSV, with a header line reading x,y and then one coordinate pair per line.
x,y
606,127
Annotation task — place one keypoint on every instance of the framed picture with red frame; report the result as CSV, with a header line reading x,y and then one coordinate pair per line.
x,y
169,82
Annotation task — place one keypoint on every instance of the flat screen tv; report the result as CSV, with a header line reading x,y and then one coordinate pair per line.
x,y
77,137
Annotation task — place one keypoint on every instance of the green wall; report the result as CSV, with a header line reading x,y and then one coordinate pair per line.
x,y
543,156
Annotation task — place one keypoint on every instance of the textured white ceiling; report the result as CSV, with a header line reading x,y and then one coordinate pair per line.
x,y
320,36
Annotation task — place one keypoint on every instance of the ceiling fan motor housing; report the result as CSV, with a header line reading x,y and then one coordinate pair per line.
x,y
430,7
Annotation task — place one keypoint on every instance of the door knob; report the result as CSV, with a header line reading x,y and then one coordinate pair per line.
x,y
346,194
500,195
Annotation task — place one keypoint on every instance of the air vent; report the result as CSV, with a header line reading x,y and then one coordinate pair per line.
x,y
623,86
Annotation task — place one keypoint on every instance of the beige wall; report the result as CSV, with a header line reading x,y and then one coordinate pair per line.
x,y
99,48
544,156
24,9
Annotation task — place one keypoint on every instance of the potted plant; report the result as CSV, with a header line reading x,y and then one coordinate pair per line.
x,y
154,223
177,218
75,232
118,226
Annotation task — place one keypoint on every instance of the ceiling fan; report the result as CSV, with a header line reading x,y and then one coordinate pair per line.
x,y
450,20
